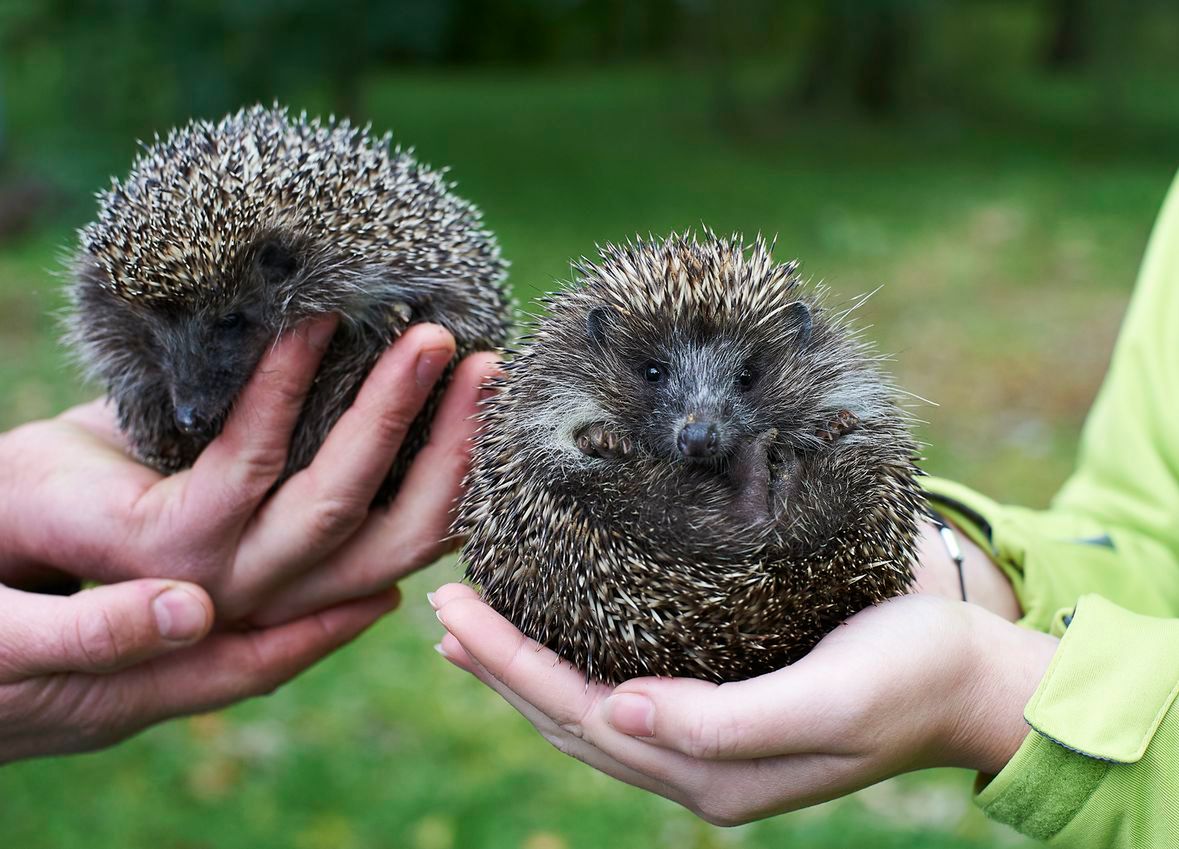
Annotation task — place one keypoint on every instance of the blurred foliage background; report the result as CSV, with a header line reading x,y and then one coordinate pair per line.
x,y
991,166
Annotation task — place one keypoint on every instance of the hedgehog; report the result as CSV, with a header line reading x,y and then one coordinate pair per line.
x,y
690,467
224,235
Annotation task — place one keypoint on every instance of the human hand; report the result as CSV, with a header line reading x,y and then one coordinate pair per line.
x,y
75,501
914,682
82,672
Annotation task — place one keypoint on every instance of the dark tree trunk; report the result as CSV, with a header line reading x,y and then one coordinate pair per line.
x,y
858,56
1068,44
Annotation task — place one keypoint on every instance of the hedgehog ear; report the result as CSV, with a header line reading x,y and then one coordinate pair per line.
x,y
597,323
799,314
276,261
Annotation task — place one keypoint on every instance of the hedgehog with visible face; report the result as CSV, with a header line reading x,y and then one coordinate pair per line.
x,y
691,468
225,235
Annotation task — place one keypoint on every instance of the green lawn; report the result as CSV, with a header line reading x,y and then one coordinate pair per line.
x,y
1003,255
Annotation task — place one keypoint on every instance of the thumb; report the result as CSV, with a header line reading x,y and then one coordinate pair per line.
x,y
771,715
98,630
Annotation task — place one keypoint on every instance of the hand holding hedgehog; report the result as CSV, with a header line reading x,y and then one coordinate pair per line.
x,y
75,502
911,683
223,238
225,235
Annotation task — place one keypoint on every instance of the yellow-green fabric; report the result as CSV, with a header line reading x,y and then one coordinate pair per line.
x,y
1100,767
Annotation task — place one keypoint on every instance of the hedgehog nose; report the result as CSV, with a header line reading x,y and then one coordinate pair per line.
x,y
189,420
699,439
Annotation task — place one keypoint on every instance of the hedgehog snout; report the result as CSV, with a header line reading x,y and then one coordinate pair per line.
x,y
195,411
699,440
190,420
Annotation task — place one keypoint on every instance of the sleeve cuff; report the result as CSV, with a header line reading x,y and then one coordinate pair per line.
x,y
1094,716
1110,683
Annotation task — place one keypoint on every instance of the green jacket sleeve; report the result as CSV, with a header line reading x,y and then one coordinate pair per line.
x,y
1101,764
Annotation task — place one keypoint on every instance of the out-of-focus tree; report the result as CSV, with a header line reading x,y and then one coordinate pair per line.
x,y
1069,34
858,53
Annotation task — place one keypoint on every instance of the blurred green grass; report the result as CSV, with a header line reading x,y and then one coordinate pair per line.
x,y
1003,259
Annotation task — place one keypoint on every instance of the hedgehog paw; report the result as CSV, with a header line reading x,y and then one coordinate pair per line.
x,y
597,440
844,422
399,315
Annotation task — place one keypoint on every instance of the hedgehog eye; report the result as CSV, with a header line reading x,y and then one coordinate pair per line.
x,y
745,378
654,372
231,321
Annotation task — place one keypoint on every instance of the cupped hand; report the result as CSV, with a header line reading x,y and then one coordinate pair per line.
x,y
914,682
74,501
85,671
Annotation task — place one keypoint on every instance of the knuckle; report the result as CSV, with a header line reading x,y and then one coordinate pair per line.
x,y
335,516
710,737
392,424
260,467
97,640
93,715
287,387
406,548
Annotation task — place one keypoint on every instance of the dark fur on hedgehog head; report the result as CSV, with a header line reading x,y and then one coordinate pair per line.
x,y
224,235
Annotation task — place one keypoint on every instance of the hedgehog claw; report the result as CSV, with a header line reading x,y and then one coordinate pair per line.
x,y
400,313
843,422
597,440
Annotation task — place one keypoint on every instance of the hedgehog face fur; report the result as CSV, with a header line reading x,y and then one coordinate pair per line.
x,y
692,468
225,235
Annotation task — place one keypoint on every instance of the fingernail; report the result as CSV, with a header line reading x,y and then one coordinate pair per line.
x,y
438,648
180,615
320,331
430,366
430,598
631,713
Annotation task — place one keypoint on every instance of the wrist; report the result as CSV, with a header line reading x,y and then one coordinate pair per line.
x,y
984,583
1005,664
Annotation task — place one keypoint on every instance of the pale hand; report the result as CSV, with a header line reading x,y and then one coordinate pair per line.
x,y
915,682
85,671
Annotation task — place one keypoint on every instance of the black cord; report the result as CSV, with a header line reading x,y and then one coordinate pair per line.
x,y
950,541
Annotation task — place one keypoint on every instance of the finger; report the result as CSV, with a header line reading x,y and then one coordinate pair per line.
x,y
229,667
412,532
533,672
322,505
780,713
787,712
566,741
238,468
429,495
99,630
721,791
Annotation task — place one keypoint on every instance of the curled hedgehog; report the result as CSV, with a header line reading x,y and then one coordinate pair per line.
x,y
224,235
692,467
